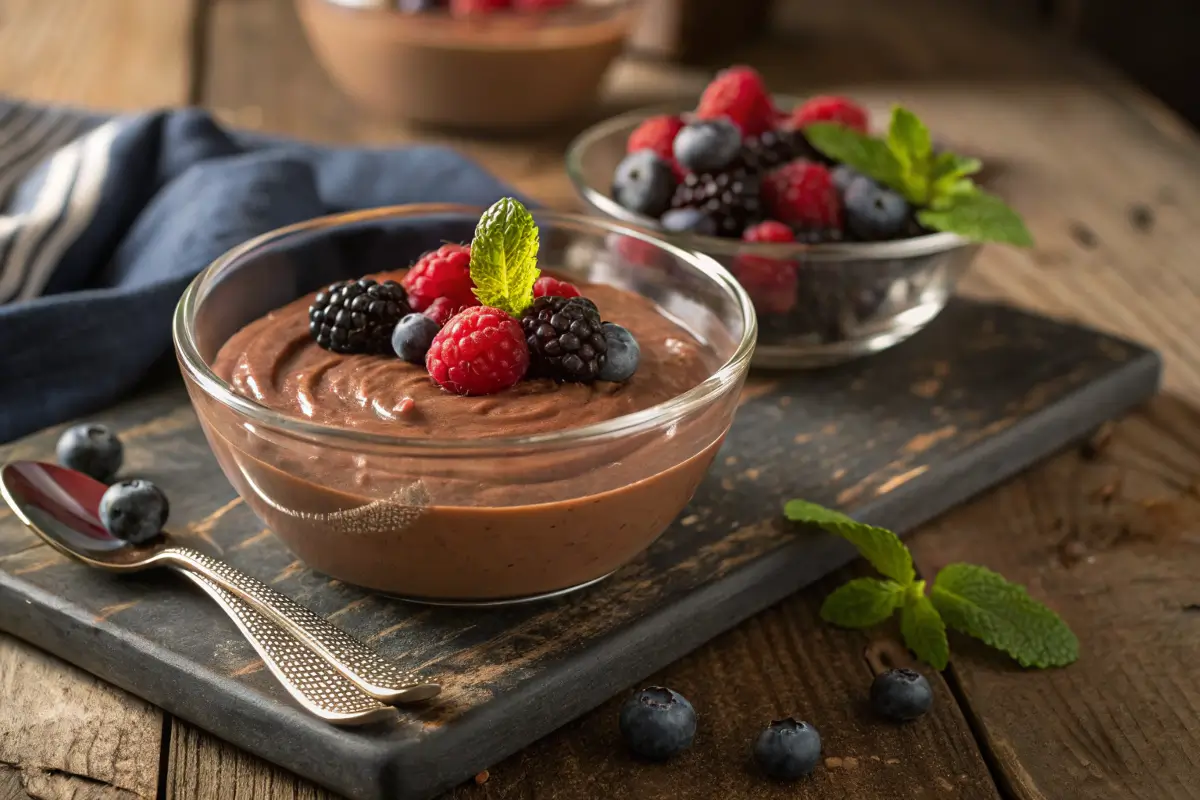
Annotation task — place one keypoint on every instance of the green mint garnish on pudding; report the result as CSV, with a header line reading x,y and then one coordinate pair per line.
x,y
504,257
939,185
964,597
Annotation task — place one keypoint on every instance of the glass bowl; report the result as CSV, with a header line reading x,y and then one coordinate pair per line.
x,y
453,519
817,305
503,70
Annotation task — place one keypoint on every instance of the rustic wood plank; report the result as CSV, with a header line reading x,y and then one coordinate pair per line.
x,y
64,733
1110,542
105,54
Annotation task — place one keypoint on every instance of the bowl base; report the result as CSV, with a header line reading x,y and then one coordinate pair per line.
x,y
498,602
829,354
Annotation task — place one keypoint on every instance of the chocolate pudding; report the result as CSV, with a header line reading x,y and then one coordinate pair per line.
x,y
503,70
472,523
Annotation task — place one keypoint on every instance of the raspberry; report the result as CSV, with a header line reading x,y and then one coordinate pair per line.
x,y
657,134
441,310
637,252
770,282
802,194
479,351
831,109
565,339
769,231
470,8
738,93
446,272
546,286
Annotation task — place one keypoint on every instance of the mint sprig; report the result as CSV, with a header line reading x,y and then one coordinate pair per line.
x,y
504,257
967,598
939,186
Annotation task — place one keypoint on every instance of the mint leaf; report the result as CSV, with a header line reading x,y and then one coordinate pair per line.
x,y
923,630
504,257
911,144
866,154
980,217
882,548
862,602
981,603
947,166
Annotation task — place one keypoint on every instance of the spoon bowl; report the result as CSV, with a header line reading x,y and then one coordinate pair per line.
x,y
63,507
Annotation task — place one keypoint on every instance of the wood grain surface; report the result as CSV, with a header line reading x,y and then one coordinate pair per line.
x,y
1082,153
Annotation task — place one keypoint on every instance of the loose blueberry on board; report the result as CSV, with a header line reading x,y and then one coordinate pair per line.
x,y
644,183
92,449
134,511
874,213
901,695
413,336
657,723
788,749
708,145
623,355
688,220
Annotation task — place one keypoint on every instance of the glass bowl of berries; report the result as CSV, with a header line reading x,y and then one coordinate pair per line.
x,y
455,405
492,64
847,242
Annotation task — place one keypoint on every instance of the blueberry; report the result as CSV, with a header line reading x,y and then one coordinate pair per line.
x,y
843,175
134,510
689,220
644,183
788,749
901,695
624,353
709,145
91,449
873,212
413,336
658,723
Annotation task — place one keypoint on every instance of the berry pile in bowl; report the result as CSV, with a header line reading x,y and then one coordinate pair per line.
x,y
848,240
483,64
462,405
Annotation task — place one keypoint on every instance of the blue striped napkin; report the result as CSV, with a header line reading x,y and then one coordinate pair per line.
x,y
106,219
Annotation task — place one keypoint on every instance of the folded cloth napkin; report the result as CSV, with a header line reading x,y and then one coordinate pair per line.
x,y
105,220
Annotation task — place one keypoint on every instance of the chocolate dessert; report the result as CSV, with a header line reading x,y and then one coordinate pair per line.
x,y
410,493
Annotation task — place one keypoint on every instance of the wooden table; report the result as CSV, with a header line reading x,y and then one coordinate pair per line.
x,y
1110,535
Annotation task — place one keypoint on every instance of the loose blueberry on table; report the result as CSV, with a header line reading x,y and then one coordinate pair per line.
x,y
901,695
658,723
92,449
788,749
479,318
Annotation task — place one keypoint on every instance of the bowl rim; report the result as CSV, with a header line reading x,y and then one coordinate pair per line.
x,y
579,147
661,414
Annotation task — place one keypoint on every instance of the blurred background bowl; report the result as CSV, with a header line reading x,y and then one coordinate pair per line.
x,y
505,70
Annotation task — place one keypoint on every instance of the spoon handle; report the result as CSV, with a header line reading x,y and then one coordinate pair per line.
x,y
363,666
316,685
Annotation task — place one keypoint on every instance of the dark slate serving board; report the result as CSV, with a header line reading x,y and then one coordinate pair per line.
x,y
895,439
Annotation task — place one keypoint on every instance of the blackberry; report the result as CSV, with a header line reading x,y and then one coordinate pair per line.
x,y
771,149
565,338
730,198
357,316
